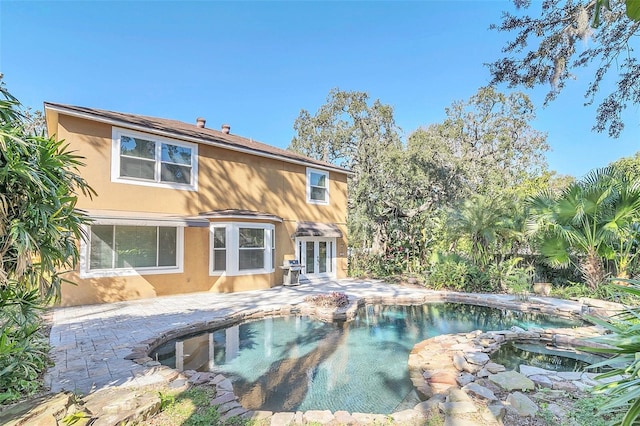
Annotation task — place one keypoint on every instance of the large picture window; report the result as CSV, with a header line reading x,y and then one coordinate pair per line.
x,y
317,186
242,248
114,249
150,160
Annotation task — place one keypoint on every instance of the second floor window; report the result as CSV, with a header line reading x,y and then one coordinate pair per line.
x,y
146,160
317,186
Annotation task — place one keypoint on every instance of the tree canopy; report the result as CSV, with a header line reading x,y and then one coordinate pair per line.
x,y
484,145
567,35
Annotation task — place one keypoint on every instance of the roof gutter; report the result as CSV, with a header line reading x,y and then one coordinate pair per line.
x,y
190,138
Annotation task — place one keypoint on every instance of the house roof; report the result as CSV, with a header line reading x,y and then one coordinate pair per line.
x,y
240,214
181,130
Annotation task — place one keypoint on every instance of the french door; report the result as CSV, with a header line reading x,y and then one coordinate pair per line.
x,y
317,256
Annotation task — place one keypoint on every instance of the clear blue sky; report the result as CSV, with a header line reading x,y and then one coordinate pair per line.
x,y
254,65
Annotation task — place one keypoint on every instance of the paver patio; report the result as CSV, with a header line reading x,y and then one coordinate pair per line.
x,y
89,343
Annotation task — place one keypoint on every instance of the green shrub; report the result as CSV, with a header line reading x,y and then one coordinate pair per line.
x,y
448,274
23,347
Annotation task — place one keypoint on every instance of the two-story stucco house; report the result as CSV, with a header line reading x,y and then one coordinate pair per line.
x,y
183,208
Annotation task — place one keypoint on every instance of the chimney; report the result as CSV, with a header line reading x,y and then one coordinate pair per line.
x,y
200,122
226,128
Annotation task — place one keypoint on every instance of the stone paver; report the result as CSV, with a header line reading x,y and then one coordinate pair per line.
x,y
90,343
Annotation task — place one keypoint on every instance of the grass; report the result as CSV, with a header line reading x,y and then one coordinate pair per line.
x,y
586,412
189,408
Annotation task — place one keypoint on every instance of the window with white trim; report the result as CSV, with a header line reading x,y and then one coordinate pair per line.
x,y
317,186
143,159
122,249
241,248
219,247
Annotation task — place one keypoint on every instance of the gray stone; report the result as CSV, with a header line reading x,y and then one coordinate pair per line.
x,y
228,406
472,368
548,395
542,381
430,405
223,399
479,391
225,385
454,408
259,415
511,380
477,358
406,417
483,372
557,410
459,361
522,404
465,378
458,395
457,421
584,387
40,411
318,416
528,370
178,383
235,412
217,379
189,373
367,418
494,368
282,419
344,418
564,386
517,329
570,375
498,410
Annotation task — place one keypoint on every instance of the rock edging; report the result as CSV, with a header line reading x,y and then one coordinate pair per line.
x,y
445,367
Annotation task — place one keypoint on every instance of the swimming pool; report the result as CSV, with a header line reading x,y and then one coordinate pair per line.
x,y
297,363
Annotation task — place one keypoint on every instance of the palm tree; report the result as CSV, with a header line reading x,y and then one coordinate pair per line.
x,y
592,219
488,225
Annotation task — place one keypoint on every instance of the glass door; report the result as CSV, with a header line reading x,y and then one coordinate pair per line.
x,y
317,255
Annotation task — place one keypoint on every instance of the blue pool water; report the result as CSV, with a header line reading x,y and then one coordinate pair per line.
x,y
297,363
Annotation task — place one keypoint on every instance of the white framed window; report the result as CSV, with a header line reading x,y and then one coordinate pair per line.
x,y
219,248
239,248
127,248
143,159
317,186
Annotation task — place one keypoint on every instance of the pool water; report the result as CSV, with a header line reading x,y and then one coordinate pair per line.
x,y
511,355
297,363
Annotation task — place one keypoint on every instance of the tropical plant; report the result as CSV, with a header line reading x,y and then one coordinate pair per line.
x,y
39,230
622,386
486,228
593,218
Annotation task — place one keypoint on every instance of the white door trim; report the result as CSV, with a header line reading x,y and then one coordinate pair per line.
x,y
301,255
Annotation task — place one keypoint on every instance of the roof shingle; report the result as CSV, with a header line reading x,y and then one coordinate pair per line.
x,y
181,129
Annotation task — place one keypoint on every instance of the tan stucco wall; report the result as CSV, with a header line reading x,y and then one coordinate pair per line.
x,y
226,180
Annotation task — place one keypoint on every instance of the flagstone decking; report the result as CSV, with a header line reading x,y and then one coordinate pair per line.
x,y
90,343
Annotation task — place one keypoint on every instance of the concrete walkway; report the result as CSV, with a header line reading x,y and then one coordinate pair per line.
x,y
89,343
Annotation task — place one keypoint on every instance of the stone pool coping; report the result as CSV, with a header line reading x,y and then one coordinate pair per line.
x,y
540,305
434,377
90,343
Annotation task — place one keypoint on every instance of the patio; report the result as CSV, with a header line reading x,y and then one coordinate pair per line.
x,y
90,343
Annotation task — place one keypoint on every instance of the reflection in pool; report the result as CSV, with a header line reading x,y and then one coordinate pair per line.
x,y
511,355
297,363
